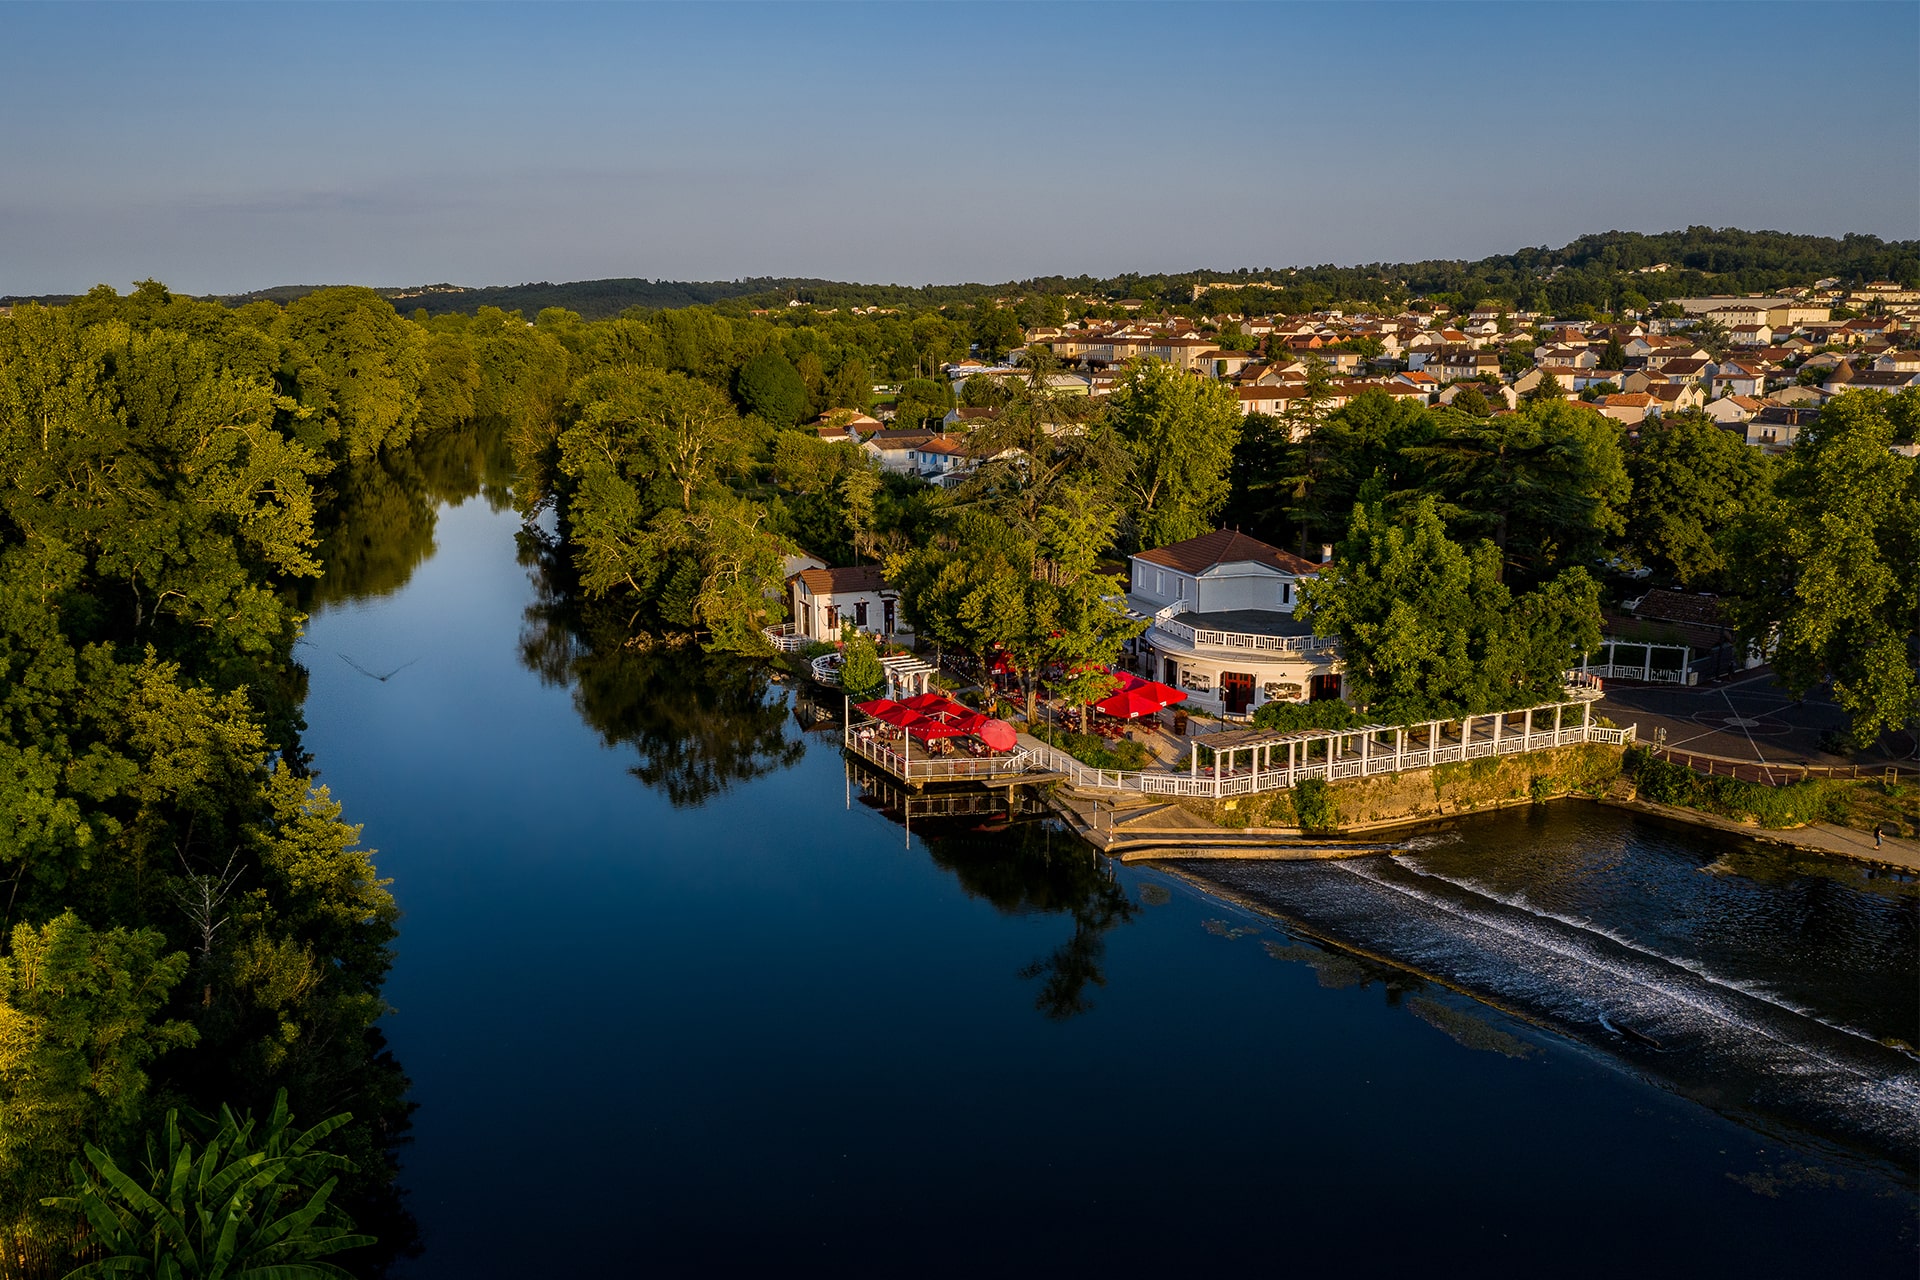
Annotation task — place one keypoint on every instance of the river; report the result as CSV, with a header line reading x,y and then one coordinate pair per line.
x,y
677,996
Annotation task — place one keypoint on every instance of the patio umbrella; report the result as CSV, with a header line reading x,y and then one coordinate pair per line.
x,y
997,734
935,704
875,707
1129,704
1164,694
893,713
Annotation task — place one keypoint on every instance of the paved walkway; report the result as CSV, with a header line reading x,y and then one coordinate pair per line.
x,y
1746,717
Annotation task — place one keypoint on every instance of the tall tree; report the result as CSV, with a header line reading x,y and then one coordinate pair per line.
x,y
1179,432
1692,480
1427,628
1827,567
1548,483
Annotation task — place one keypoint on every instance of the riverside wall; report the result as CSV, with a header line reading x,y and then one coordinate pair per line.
x,y
1426,795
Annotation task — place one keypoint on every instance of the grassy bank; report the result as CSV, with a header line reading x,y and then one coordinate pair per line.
x,y
1859,803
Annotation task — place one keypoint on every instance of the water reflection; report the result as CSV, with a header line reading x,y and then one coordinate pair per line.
x,y
378,514
1002,851
700,723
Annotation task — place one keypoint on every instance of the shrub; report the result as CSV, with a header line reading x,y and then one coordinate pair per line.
x,y
861,674
1093,751
1793,805
1290,717
1313,805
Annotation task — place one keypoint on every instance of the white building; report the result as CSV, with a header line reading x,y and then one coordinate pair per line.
x,y
1223,623
823,600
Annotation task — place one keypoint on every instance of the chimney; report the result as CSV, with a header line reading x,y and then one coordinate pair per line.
x,y
1326,553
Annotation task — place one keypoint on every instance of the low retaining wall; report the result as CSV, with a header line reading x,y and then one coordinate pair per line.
x,y
1422,795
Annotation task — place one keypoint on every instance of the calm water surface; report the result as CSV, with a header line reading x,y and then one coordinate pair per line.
x,y
676,997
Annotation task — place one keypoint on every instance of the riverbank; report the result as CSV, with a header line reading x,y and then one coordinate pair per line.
x,y
1406,804
1894,852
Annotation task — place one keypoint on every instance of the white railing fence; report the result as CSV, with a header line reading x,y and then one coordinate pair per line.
x,y
1248,781
929,768
784,638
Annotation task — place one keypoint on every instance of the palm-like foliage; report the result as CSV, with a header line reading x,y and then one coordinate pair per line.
x,y
245,1205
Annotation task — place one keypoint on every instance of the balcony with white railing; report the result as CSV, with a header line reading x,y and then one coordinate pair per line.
x,y
1279,638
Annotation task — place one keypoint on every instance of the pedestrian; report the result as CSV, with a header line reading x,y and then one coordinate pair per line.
x,y
1876,835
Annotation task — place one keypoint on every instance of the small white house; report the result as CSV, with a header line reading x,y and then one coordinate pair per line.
x,y
824,600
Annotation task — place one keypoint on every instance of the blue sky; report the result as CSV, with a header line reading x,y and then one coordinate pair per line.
x,y
226,147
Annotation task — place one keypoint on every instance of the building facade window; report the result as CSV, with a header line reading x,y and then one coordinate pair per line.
x,y
860,613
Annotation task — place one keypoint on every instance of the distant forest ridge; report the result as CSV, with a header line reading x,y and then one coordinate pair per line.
x,y
1610,271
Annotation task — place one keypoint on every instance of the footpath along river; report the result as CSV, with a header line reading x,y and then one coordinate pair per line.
x,y
675,1000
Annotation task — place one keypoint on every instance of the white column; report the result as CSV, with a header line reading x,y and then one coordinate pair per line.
x,y
1648,673
1433,740
1498,721
1526,731
1559,710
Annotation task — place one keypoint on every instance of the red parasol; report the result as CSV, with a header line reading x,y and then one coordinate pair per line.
x,y
1164,694
935,704
891,713
927,729
1129,704
997,734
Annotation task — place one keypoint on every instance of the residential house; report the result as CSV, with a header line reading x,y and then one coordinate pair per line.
x,y
1223,624
894,450
1734,411
1628,409
825,600
1732,377
1672,397
1776,427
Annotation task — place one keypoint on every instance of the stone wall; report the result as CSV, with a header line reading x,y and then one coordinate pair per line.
x,y
1420,795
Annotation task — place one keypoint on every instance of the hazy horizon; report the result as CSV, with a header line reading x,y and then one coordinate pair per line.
x,y
226,149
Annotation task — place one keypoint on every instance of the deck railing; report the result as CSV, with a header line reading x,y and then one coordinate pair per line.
x,y
1640,671
925,768
1209,638
784,638
1239,782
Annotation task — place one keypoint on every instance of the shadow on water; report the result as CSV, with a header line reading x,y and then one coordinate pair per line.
x,y
1004,853
700,723
378,515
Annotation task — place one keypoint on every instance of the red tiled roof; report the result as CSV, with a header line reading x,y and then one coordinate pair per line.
x,y
1225,546
824,582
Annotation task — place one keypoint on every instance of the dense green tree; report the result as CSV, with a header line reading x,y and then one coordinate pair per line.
x,y
861,674
1692,480
82,1017
1548,483
1179,432
768,385
1427,628
1826,567
363,367
1372,438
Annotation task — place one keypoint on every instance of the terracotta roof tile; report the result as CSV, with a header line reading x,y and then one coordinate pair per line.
x,y
1224,546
